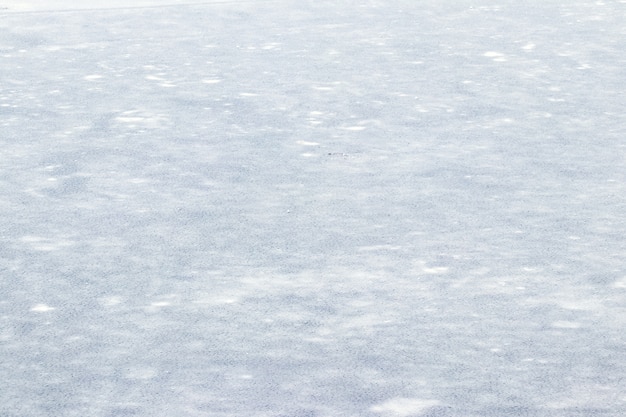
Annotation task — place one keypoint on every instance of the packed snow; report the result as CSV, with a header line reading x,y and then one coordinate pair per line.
x,y
312,208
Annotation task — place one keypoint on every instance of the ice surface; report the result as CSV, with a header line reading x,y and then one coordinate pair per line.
x,y
294,208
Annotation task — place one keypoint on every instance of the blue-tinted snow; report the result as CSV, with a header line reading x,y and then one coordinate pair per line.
x,y
313,209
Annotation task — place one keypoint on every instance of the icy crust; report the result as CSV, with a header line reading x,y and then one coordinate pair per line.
x,y
313,209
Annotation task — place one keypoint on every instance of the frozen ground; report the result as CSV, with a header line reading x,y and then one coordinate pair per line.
x,y
313,209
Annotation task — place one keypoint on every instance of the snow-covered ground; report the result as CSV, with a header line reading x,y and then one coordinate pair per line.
x,y
75,5
313,208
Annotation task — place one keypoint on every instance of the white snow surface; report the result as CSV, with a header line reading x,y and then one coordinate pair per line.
x,y
65,5
312,208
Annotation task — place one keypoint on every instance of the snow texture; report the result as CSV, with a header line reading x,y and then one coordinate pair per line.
x,y
312,208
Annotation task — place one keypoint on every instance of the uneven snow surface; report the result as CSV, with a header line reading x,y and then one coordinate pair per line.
x,y
313,208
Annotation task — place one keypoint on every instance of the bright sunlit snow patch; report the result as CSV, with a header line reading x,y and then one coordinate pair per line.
x,y
138,180
306,143
271,45
46,244
154,78
620,283
496,56
111,301
404,407
146,119
216,300
156,306
435,269
41,308
160,304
